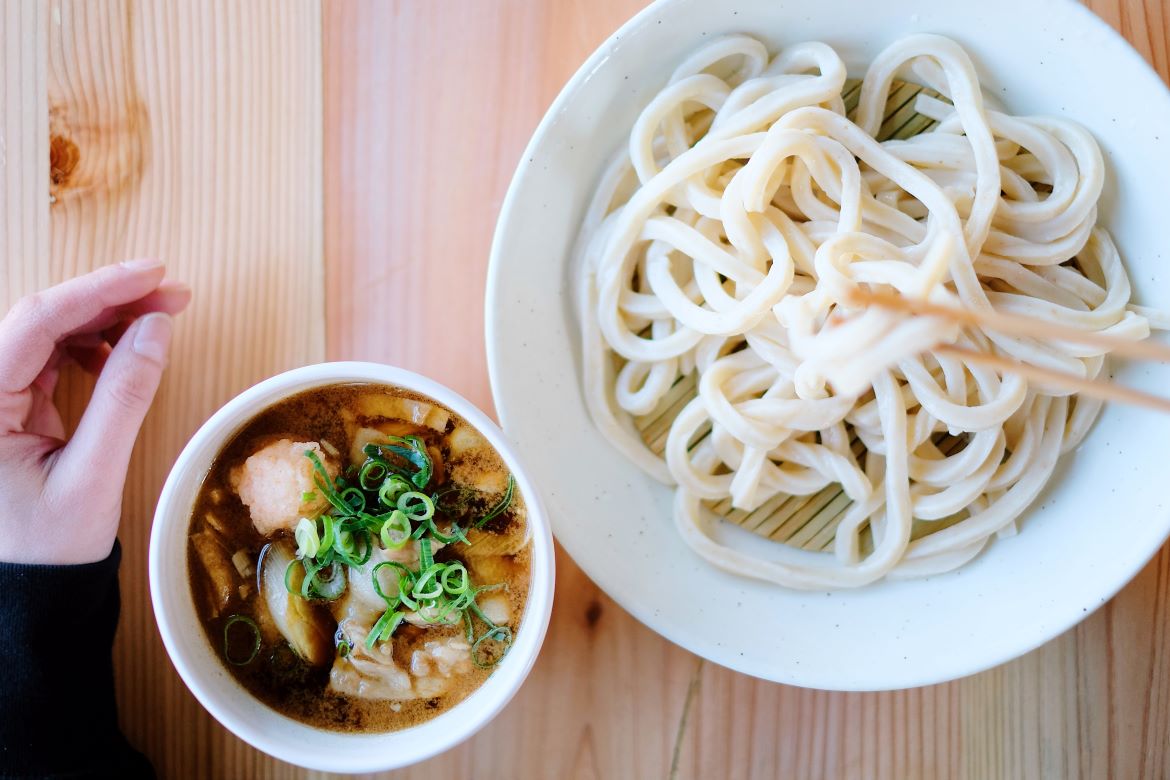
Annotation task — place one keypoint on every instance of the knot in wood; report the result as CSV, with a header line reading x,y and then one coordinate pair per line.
x,y
63,158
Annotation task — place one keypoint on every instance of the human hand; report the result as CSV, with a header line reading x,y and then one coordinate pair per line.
x,y
60,501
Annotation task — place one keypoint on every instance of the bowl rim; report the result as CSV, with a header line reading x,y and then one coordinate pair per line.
x,y
643,612
367,753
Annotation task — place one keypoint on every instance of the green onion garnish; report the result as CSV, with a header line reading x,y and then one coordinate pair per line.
x,y
255,629
417,506
385,627
311,567
344,542
405,576
326,533
411,449
382,502
306,537
395,532
324,483
455,579
428,586
501,507
456,506
394,486
405,594
354,499
328,588
496,635
317,580
347,542
371,474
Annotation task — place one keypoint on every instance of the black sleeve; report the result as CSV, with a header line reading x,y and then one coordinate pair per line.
x,y
58,717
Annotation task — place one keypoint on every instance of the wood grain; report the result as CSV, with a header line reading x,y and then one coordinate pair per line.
x,y
300,164
190,132
24,147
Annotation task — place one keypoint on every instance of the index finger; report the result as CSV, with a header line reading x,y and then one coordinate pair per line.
x,y
32,328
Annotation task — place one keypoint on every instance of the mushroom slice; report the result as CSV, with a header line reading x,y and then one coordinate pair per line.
x,y
308,628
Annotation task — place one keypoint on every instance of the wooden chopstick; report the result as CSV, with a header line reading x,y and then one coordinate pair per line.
x,y
1012,324
1097,388
1019,325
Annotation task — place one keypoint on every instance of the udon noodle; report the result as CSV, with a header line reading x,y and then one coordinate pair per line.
x,y
725,242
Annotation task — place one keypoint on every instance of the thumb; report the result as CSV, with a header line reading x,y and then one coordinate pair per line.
x,y
96,458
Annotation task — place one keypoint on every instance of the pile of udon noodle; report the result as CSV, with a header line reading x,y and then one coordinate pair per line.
x,y
727,241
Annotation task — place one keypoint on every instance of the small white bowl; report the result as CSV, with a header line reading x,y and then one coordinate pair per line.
x,y
236,708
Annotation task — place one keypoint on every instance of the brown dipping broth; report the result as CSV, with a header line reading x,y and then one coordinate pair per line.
x,y
278,676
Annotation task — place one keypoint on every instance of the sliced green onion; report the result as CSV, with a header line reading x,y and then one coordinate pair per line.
x,y
372,472
374,452
428,526
326,556
385,627
437,612
311,569
306,536
417,506
479,614
413,450
467,621
326,533
404,574
343,648
395,532
325,483
251,624
354,498
428,586
391,489
366,548
328,588
372,523
457,604
308,496
349,542
455,579
486,588
463,600
462,496
398,512
405,586
289,571
389,629
501,635
501,507
457,535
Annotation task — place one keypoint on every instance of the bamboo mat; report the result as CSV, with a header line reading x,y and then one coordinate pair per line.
x,y
295,161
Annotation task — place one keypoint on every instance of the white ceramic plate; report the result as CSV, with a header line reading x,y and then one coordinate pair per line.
x,y
1102,517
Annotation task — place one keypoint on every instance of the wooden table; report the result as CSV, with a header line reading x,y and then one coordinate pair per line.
x,y
327,177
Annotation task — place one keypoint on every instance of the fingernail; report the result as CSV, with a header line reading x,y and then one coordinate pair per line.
x,y
142,264
152,339
174,285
